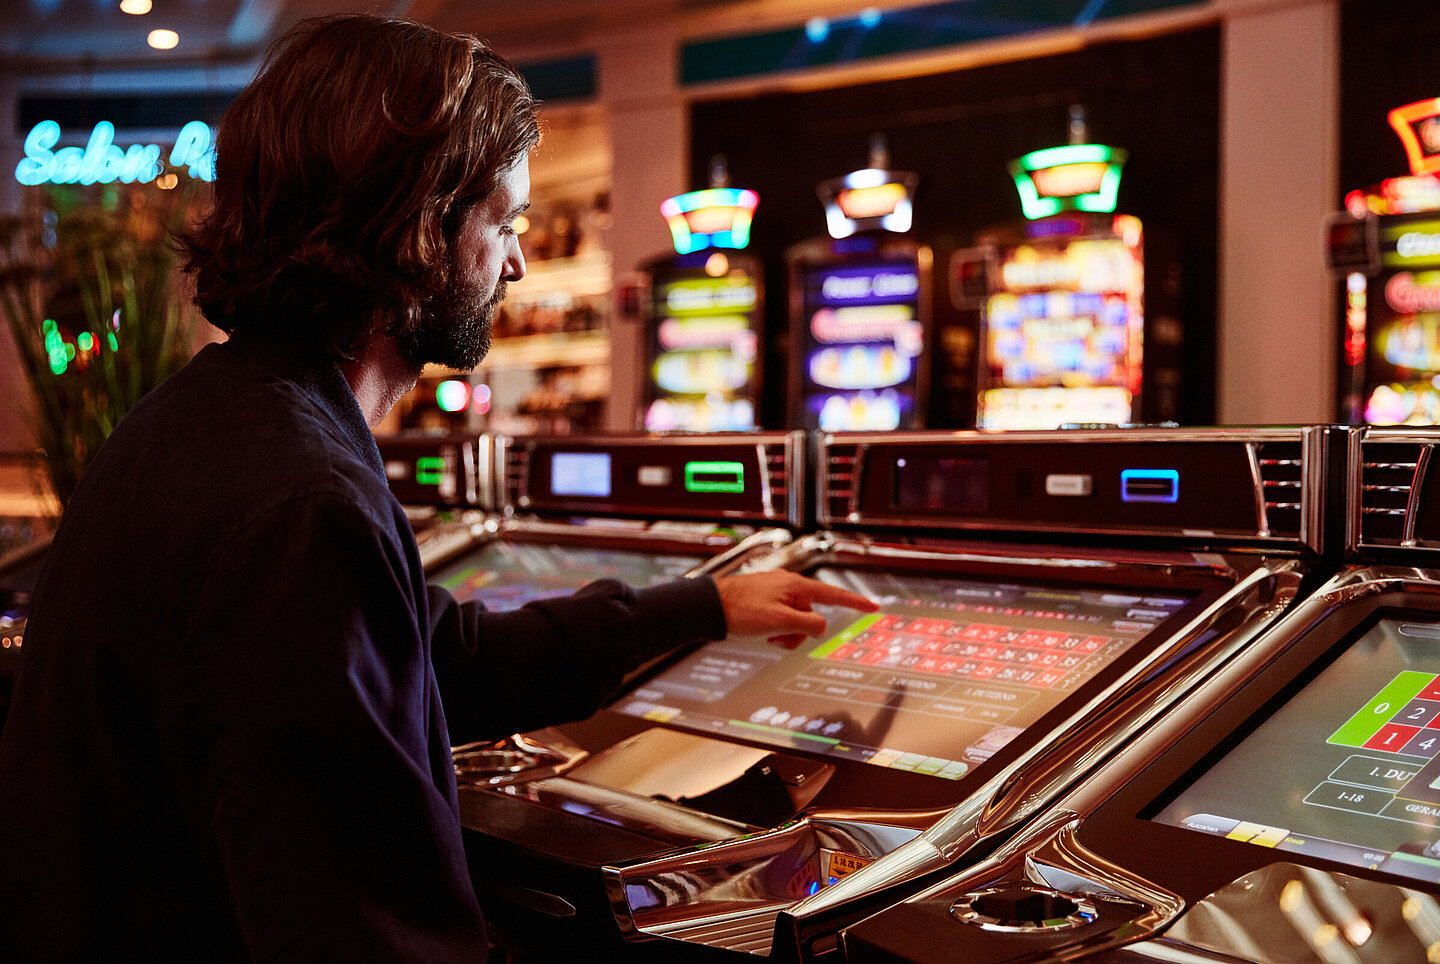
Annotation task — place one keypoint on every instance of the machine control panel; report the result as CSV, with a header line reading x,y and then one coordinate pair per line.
x,y
1266,486
753,476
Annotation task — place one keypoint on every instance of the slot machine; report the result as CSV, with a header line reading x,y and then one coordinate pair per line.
x,y
1062,298
1044,597
446,485
1386,248
706,317
859,307
1291,811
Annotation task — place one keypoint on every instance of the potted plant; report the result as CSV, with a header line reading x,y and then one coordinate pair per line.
x,y
91,297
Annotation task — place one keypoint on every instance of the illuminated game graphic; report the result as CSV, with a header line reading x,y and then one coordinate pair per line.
x,y
946,674
1366,794
507,575
1064,327
863,339
705,320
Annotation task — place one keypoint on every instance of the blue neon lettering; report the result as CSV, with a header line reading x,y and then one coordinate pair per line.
x,y
102,161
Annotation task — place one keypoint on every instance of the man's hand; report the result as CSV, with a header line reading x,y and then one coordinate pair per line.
x,y
778,603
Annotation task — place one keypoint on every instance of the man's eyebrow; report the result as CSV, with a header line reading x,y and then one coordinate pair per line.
x,y
518,210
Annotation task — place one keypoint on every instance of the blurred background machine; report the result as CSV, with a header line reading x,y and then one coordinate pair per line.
x,y
706,315
1386,248
1062,297
860,307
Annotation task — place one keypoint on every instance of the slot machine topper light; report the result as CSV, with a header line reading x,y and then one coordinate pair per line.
x,y
1061,294
706,307
1386,248
860,306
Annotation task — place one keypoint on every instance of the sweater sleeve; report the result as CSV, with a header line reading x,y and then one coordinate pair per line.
x,y
301,729
556,660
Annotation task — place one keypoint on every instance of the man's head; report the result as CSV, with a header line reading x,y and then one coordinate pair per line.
x,y
349,176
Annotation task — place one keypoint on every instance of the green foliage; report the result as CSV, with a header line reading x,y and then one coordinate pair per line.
x,y
92,299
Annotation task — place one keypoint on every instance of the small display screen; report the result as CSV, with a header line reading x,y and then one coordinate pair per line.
x,y
936,483
1347,770
507,575
580,473
947,673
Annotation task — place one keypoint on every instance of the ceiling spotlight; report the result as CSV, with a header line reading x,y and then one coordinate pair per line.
x,y
135,7
163,39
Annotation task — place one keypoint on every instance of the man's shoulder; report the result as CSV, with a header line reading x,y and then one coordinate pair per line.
x,y
226,430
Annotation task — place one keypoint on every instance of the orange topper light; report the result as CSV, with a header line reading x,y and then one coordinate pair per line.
x,y
1418,125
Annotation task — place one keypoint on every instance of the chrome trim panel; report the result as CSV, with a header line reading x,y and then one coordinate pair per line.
x,y
448,540
1363,496
523,756
1262,519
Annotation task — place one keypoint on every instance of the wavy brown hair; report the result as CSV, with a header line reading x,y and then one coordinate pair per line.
x,y
341,173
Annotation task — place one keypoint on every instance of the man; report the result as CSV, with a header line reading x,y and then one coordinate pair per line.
x,y
228,740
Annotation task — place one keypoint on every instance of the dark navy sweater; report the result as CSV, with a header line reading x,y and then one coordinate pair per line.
x,y
228,740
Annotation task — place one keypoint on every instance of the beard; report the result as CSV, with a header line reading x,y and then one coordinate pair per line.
x,y
455,328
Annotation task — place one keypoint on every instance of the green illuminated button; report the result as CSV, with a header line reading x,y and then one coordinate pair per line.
x,y
430,470
714,477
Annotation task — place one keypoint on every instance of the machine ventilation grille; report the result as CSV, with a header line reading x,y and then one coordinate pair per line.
x,y
842,475
1388,472
778,468
517,468
1282,471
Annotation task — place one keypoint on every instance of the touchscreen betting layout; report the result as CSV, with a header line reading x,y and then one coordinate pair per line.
x,y
946,674
1401,721
976,650
1368,793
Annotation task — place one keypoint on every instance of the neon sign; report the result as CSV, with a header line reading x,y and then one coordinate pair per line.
x,y
1418,125
102,161
715,218
1083,177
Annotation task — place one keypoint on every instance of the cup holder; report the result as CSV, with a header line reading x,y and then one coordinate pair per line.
x,y
514,759
1023,907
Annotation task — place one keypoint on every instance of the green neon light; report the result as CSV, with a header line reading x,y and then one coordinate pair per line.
x,y
1101,201
1069,154
429,470
714,477
54,347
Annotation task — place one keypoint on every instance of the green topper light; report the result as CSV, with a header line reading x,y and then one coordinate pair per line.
x,y
714,477
1077,177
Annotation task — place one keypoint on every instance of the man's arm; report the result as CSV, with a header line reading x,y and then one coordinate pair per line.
x,y
557,660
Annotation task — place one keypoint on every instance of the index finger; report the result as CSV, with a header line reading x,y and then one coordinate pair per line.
x,y
828,595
